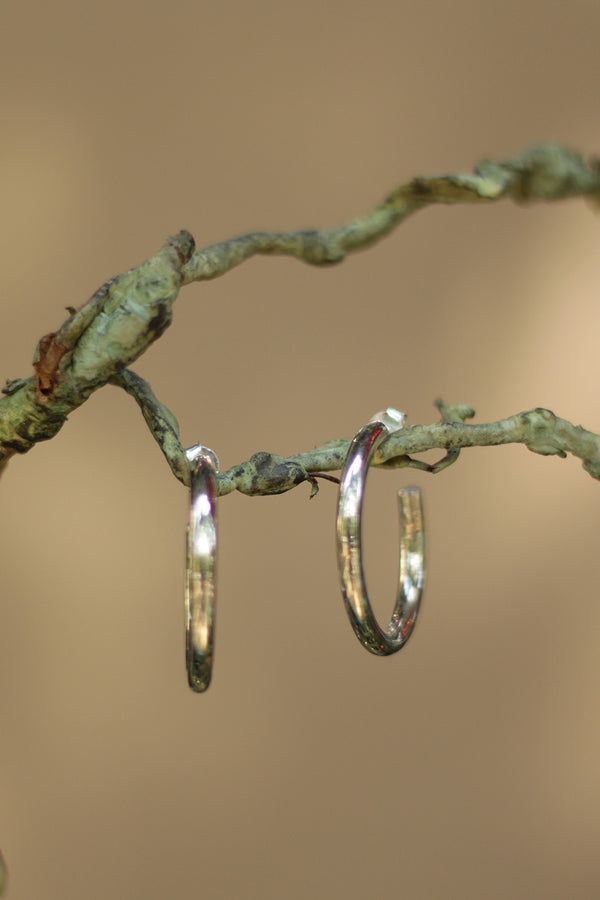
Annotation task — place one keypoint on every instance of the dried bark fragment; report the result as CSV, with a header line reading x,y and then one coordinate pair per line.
x,y
49,354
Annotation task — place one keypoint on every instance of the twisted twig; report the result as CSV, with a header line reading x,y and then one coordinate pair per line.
x,y
546,172
123,318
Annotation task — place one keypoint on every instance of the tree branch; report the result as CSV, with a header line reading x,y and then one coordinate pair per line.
x,y
129,312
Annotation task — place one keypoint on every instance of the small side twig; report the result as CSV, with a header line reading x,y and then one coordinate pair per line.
x,y
538,429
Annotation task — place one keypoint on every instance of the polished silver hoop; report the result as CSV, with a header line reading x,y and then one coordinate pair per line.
x,y
349,543
201,567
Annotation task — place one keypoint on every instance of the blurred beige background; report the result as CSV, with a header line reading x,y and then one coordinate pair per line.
x,y
465,767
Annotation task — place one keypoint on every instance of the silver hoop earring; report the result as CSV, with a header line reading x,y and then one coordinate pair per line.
x,y
349,543
201,567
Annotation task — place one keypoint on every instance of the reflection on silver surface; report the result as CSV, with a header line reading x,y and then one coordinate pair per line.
x,y
349,544
201,567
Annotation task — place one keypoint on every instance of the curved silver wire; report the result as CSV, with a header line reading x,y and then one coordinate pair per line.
x,y
201,567
411,575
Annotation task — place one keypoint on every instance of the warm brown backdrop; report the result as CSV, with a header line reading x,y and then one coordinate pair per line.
x,y
465,767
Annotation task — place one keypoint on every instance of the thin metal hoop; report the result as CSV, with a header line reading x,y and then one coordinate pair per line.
x,y
349,544
201,567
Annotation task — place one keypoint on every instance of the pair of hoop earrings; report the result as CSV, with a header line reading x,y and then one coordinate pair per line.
x,y
201,570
